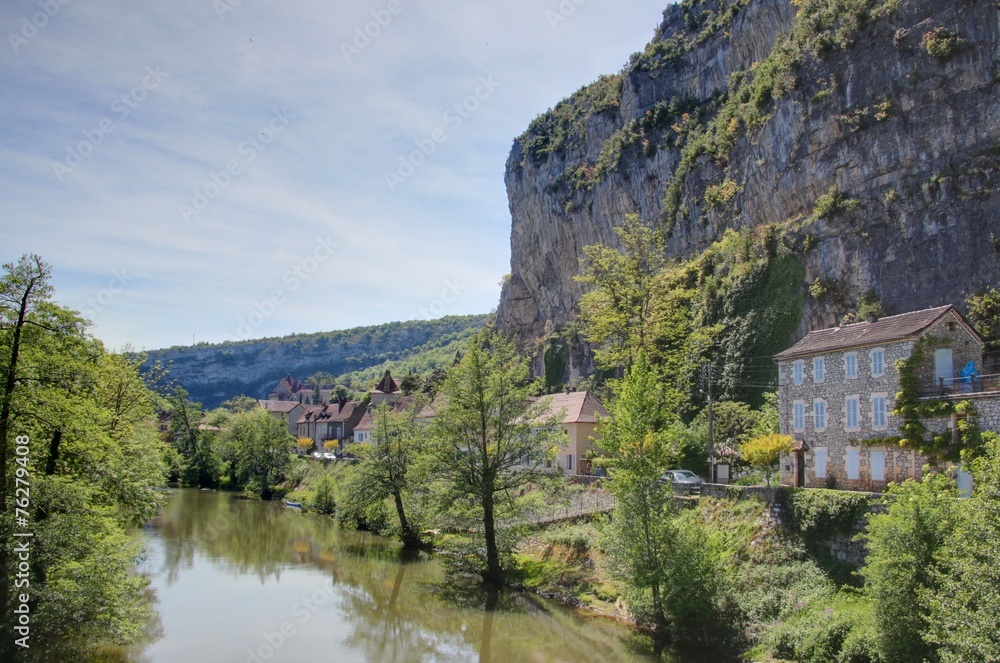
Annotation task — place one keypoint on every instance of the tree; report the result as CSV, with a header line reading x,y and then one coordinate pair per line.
x,y
964,611
903,545
618,310
764,452
304,444
240,404
200,462
984,314
258,445
323,500
489,439
640,535
410,384
386,464
83,424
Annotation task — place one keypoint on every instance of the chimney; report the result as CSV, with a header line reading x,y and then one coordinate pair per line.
x,y
872,317
343,401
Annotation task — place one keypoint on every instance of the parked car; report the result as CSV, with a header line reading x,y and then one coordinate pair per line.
x,y
330,456
685,480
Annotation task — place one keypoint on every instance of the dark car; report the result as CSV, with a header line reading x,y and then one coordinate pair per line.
x,y
685,481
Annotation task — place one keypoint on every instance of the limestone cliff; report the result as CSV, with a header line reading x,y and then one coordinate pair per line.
x,y
872,126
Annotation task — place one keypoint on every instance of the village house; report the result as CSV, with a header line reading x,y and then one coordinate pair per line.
x,y
288,411
290,389
577,412
333,421
365,429
838,387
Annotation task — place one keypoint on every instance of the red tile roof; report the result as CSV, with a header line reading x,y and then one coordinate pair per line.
x,y
892,328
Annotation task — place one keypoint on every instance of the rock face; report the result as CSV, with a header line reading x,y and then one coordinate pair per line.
x,y
884,149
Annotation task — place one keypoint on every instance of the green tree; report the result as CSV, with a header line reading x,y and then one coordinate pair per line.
x,y
200,462
648,550
964,611
240,404
618,311
323,499
903,545
83,424
984,314
410,384
764,452
258,446
386,464
489,439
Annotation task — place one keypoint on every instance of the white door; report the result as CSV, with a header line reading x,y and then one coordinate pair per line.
x,y
943,367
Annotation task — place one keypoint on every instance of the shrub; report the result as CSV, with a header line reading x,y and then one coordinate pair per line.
x,y
833,203
763,452
719,195
323,500
941,43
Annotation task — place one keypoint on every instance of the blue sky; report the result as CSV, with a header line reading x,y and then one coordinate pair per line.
x,y
226,169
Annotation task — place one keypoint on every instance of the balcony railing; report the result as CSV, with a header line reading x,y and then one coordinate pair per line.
x,y
957,387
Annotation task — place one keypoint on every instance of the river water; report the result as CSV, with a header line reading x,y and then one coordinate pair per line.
x,y
251,582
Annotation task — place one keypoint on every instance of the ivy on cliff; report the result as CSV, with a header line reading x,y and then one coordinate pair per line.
x,y
736,302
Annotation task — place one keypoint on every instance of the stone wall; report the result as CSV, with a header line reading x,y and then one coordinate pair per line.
x,y
842,545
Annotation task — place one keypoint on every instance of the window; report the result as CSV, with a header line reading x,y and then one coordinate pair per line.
x,y
799,415
878,465
569,461
819,414
878,412
819,369
798,368
851,365
853,465
851,410
878,362
820,460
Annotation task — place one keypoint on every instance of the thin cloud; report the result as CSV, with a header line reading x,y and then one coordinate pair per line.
x,y
356,114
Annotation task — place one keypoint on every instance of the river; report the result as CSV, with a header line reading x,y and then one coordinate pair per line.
x,y
251,582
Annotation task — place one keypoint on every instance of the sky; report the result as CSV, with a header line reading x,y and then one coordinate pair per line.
x,y
220,170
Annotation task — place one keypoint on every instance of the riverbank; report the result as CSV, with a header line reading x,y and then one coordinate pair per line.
x,y
748,576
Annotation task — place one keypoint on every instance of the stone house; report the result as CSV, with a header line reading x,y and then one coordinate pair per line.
x,y
334,421
290,389
288,411
577,412
837,391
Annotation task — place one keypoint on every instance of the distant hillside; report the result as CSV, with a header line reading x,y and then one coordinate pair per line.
x,y
213,373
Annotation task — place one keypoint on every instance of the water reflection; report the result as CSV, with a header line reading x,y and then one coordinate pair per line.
x,y
229,574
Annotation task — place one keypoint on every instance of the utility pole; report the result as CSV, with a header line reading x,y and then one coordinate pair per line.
x,y
711,438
